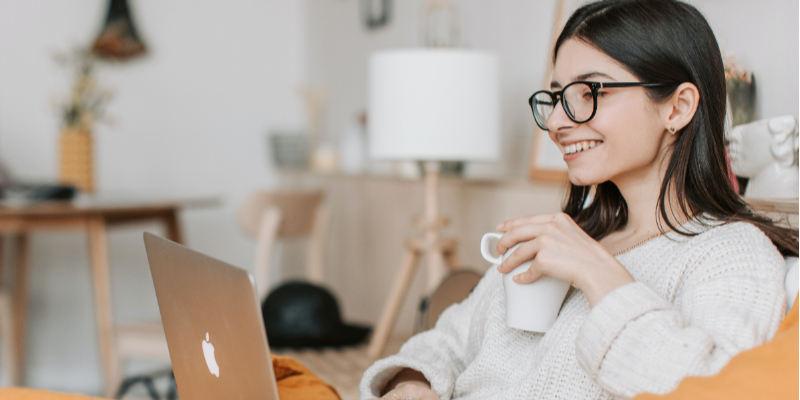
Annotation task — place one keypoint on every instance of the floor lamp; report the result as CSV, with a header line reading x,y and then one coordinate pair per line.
x,y
429,105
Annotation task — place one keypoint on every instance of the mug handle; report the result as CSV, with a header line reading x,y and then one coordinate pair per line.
x,y
485,248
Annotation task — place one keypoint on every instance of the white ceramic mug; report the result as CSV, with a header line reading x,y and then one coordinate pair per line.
x,y
533,306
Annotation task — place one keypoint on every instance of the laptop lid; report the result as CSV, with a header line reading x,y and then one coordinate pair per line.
x,y
213,323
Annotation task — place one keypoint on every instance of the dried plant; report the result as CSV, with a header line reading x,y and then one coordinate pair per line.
x,y
734,70
741,87
86,102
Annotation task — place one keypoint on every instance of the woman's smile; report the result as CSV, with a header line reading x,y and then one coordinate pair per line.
x,y
576,149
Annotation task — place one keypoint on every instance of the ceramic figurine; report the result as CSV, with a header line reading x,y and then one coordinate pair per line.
x,y
766,151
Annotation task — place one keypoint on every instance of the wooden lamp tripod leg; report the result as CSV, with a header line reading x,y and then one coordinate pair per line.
x,y
453,263
434,251
392,308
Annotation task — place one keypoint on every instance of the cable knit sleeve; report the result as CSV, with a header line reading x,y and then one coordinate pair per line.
x,y
730,298
440,353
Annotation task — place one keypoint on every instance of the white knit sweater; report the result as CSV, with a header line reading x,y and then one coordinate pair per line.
x,y
696,302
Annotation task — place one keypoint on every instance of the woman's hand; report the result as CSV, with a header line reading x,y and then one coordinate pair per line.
x,y
411,389
408,383
561,249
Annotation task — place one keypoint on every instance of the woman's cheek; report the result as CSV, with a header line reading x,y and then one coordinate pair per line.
x,y
554,138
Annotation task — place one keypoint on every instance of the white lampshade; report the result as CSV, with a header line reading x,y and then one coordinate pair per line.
x,y
433,105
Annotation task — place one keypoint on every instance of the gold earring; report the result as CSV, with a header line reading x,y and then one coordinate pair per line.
x,y
672,130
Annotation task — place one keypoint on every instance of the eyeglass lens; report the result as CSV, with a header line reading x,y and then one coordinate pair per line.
x,y
578,103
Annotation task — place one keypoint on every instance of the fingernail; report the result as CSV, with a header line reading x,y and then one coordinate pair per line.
x,y
500,226
500,267
516,278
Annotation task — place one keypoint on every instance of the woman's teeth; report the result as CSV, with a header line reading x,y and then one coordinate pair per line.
x,y
580,146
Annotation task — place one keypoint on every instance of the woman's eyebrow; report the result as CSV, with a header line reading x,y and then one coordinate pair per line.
x,y
583,77
593,74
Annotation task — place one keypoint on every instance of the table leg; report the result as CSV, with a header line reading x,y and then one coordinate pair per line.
x,y
7,349
174,231
20,308
102,302
2,261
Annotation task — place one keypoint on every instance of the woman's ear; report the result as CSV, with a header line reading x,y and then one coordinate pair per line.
x,y
679,110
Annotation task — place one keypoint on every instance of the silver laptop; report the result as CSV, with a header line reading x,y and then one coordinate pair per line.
x,y
212,319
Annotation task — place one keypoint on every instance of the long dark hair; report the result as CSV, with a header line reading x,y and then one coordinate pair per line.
x,y
667,41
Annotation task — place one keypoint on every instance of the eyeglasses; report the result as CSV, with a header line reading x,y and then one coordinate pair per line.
x,y
579,100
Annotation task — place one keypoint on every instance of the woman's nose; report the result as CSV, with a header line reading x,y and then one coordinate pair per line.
x,y
558,119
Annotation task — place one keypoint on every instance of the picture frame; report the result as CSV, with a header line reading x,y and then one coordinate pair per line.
x,y
376,13
546,162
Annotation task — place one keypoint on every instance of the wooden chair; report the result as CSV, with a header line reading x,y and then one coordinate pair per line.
x,y
269,216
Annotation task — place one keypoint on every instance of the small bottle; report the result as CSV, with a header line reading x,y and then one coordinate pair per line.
x,y
353,147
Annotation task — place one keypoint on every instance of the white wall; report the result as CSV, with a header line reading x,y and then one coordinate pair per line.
x,y
192,118
763,35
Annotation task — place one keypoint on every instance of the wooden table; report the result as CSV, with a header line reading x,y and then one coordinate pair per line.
x,y
94,216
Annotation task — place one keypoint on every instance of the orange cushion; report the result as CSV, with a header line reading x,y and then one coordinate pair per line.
x,y
769,371
295,382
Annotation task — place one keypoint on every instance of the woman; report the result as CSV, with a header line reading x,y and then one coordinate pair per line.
x,y
672,275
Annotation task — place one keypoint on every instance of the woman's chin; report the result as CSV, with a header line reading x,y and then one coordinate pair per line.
x,y
581,178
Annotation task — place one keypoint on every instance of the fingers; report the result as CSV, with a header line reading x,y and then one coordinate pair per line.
x,y
530,275
523,233
530,219
404,390
526,251
559,217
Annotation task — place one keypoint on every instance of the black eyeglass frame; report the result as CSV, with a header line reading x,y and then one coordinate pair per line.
x,y
557,97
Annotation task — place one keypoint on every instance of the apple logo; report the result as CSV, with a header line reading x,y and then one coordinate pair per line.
x,y
208,352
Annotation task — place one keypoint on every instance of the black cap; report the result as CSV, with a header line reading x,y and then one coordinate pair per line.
x,y
301,314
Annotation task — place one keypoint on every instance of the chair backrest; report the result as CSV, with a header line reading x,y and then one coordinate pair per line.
x,y
272,215
297,210
453,289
